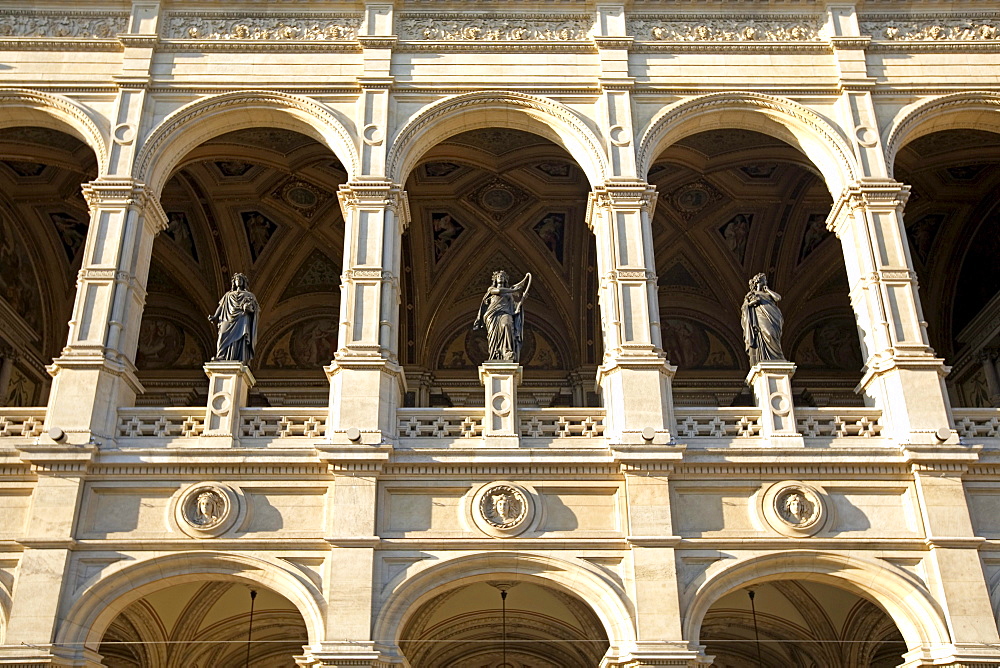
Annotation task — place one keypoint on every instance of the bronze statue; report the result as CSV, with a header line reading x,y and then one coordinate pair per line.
x,y
503,317
762,322
237,321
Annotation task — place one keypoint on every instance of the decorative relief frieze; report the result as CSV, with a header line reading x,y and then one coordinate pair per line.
x,y
262,27
61,24
728,29
496,28
933,28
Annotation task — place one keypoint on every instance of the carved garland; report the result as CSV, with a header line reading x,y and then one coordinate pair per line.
x,y
258,26
728,28
921,113
933,28
45,102
671,117
62,25
168,130
468,27
453,104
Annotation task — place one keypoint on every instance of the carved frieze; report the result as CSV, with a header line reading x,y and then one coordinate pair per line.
x,y
495,28
933,28
262,27
61,24
727,29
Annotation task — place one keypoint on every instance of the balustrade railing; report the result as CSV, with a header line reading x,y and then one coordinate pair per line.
x,y
22,422
561,422
439,422
282,422
160,422
713,422
838,422
977,422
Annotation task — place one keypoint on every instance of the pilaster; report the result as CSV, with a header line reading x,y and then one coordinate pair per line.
x,y
635,377
228,385
902,375
772,387
95,373
366,380
501,428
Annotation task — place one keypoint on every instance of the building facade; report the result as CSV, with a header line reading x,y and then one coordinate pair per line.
x,y
368,491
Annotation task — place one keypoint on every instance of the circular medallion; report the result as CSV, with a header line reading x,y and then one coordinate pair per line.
x,y
502,509
794,509
207,510
301,197
498,199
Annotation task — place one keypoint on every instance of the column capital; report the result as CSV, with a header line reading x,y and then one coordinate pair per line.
x,y
375,194
867,195
119,193
622,194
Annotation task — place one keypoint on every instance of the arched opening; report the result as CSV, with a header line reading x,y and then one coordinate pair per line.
x,y
734,203
489,199
469,626
205,623
800,623
44,221
952,224
263,202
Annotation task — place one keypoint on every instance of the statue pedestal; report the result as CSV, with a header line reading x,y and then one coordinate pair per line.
x,y
501,427
228,384
772,386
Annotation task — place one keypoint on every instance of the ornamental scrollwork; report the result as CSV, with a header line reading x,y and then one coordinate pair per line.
x,y
933,29
496,29
262,28
61,25
797,29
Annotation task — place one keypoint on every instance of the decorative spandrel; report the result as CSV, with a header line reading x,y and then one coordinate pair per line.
x,y
502,315
762,322
236,317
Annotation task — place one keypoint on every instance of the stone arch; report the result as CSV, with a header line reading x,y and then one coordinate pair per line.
x,y
971,109
101,599
23,107
199,121
778,117
608,600
905,599
470,111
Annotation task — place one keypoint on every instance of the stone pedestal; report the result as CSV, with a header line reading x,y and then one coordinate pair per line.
x,y
772,386
228,384
500,423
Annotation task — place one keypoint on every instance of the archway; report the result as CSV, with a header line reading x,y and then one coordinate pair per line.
x,y
44,223
733,203
951,161
800,623
261,201
205,623
534,626
103,599
489,199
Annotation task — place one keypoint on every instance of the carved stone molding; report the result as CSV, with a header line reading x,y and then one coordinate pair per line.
x,y
793,508
503,509
63,107
469,27
727,28
933,28
62,24
208,509
260,26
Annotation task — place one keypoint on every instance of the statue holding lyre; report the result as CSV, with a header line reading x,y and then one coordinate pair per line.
x,y
502,315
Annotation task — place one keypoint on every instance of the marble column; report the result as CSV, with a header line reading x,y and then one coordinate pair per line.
x,y
635,376
366,381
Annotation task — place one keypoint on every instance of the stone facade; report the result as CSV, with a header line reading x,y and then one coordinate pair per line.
x,y
599,485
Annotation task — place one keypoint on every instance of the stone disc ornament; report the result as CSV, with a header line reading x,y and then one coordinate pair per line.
x,y
207,510
503,509
794,509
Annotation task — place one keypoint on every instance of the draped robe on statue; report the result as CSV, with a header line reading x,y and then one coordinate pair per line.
x,y
237,319
762,323
501,313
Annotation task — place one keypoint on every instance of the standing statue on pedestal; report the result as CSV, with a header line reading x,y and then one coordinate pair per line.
x,y
237,321
503,317
762,322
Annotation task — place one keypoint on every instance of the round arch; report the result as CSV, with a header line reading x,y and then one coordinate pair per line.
x,y
102,599
21,107
918,617
197,122
607,600
968,110
775,116
518,111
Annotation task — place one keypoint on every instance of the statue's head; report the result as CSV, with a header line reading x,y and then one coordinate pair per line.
x,y
239,282
758,282
500,278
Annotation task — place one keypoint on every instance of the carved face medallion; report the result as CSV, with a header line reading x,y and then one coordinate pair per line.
x,y
207,509
502,509
793,508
